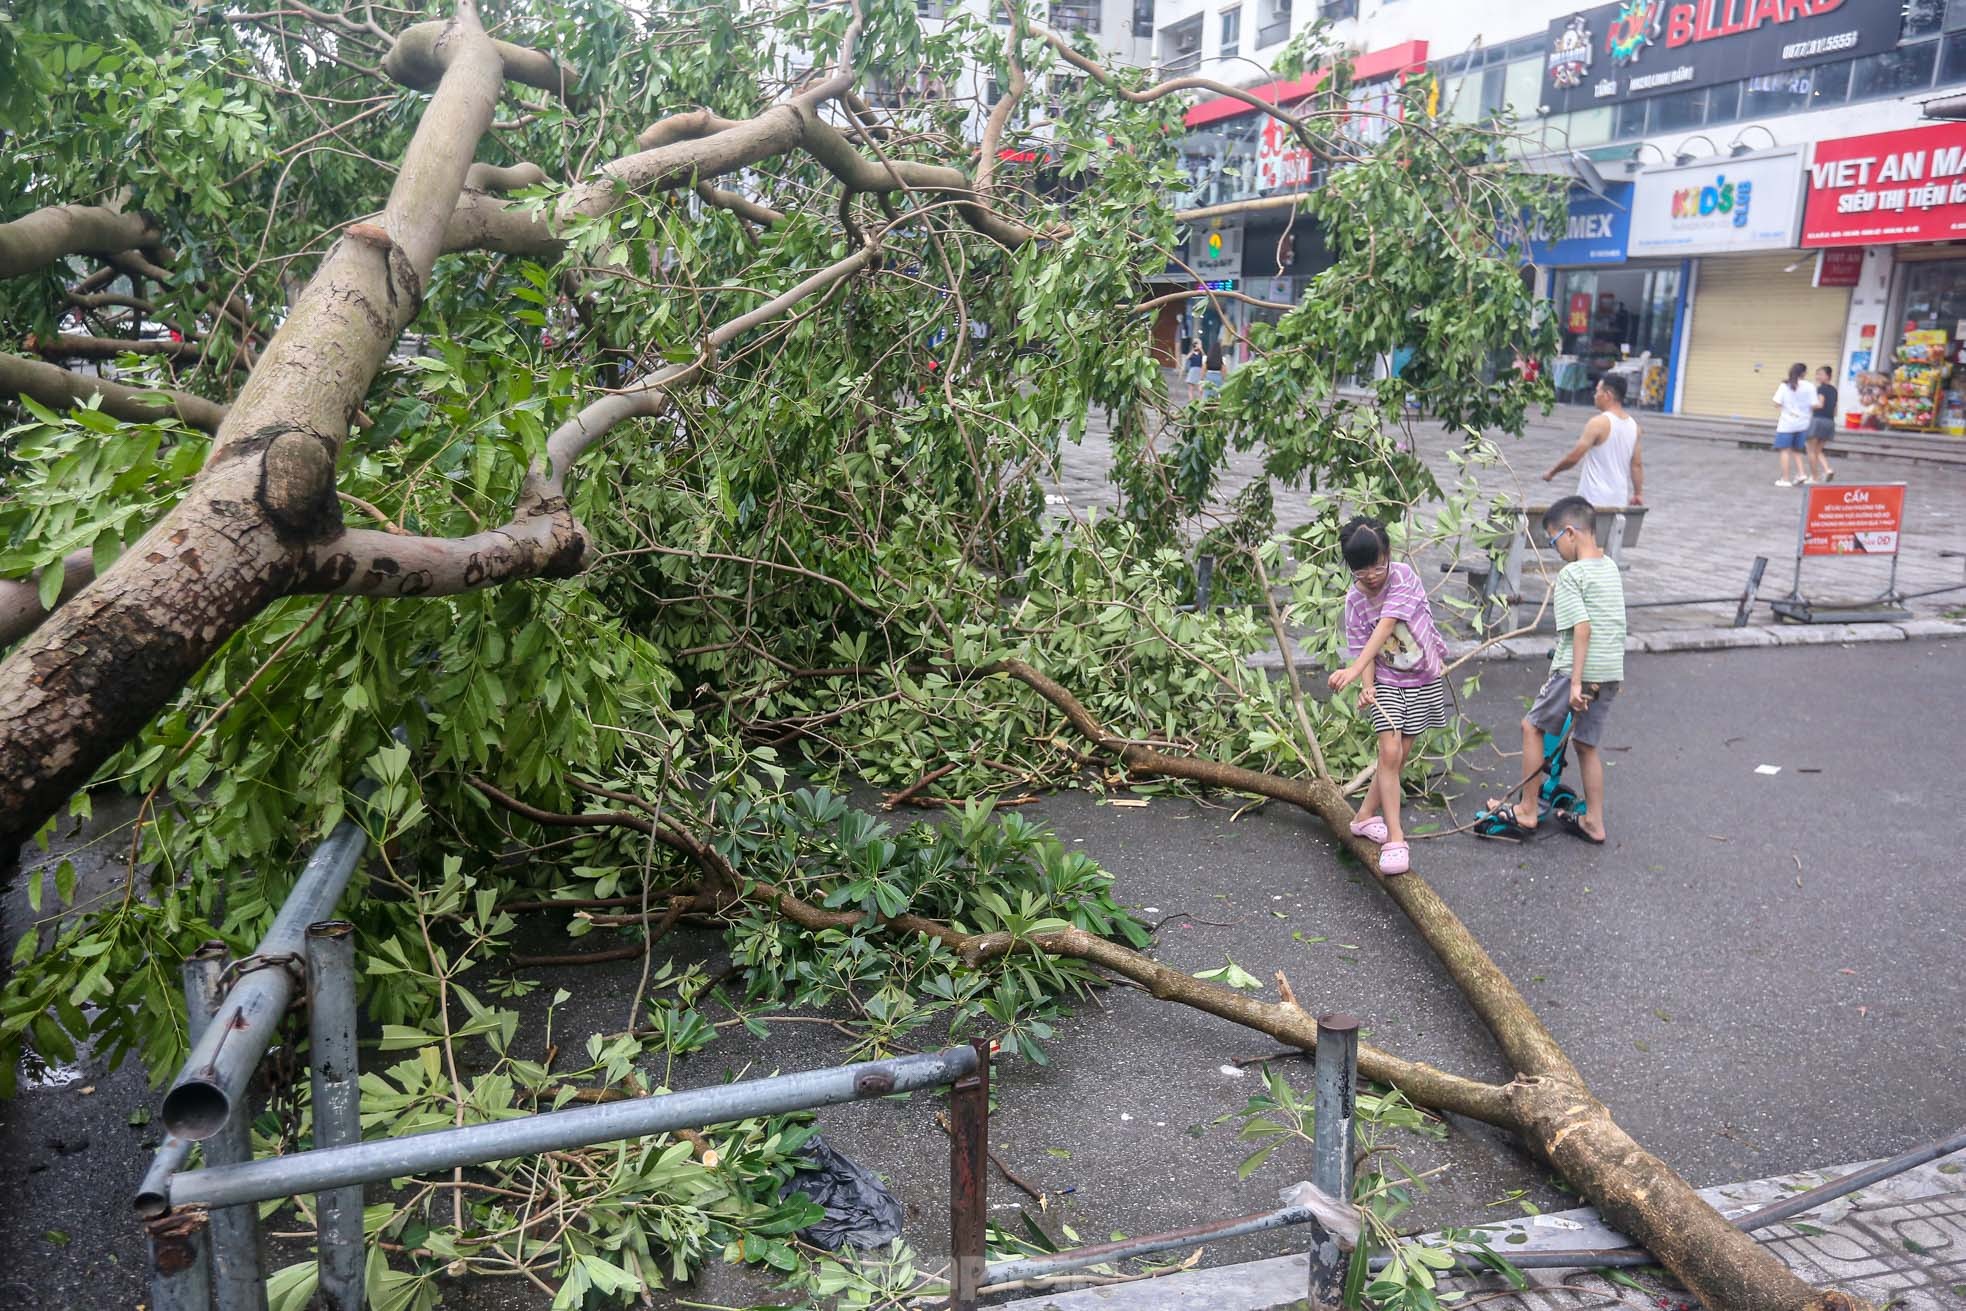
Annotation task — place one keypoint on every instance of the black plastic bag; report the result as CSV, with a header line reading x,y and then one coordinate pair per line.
x,y
860,1211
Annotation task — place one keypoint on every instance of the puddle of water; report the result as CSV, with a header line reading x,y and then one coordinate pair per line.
x,y
37,1073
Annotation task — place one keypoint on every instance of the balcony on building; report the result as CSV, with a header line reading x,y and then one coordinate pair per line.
x,y
1180,46
1075,15
1275,28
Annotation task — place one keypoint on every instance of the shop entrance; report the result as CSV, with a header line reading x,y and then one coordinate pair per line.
x,y
1617,320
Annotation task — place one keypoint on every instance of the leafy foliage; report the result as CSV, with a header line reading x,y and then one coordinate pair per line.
x,y
808,564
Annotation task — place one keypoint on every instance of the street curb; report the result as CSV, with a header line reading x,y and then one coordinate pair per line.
x,y
1673,640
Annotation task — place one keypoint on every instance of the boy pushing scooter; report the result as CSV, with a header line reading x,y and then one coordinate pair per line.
x,y
1586,670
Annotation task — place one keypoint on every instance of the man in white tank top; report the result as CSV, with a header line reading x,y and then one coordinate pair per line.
x,y
1613,475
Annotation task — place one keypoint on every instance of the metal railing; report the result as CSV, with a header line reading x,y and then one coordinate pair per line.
x,y
202,1225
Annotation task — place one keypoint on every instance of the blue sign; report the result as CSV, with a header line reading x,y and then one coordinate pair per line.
x,y
1595,229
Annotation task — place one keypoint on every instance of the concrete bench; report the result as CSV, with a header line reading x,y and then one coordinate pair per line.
x,y
1498,590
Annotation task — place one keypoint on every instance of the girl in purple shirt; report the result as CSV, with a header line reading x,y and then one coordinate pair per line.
x,y
1398,661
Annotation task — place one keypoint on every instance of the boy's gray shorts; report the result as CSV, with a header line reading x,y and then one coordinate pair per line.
x,y
1553,703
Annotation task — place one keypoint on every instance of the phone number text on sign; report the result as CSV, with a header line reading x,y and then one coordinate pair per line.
x,y
1853,520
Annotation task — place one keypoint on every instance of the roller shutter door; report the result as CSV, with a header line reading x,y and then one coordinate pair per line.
x,y
1751,320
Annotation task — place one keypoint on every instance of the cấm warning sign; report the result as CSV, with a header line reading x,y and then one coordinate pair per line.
x,y
1856,520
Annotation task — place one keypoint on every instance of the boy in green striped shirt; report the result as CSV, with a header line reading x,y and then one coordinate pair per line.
x,y
1586,669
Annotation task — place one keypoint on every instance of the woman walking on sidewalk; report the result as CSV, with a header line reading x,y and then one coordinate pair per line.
x,y
1797,400
1822,426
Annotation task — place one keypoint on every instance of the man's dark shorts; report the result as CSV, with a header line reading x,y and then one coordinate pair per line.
x,y
1553,703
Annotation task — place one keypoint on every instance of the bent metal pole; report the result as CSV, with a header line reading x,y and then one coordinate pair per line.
x,y
502,1140
214,1076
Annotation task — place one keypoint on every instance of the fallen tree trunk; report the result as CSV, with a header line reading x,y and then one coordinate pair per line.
x,y
1547,1106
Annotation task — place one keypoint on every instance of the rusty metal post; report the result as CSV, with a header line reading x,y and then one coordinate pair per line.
x,y
969,1152
180,1262
1332,1146
330,947
238,1272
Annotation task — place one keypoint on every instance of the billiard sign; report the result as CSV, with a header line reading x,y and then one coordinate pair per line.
x,y
1638,48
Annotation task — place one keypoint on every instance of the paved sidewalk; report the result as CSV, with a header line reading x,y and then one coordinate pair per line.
x,y
1900,1243
1713,508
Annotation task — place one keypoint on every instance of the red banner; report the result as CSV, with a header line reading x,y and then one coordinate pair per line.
x,y
1888,187
1863,520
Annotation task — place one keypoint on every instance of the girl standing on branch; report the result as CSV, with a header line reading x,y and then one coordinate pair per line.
x,y
1398,660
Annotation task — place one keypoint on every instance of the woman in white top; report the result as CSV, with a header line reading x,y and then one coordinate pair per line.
x,y
1797,399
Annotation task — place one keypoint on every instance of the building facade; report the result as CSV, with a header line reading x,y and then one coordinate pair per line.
x,y
1754,182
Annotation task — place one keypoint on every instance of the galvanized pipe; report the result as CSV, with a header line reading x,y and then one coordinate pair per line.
x,y
504,1140
1039,1267
238,1274
1850,1183
1334,1134
214,1077
337,1108
969,1176
180,1262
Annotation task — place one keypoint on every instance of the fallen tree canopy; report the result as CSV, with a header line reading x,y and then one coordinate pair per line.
x,y
648,404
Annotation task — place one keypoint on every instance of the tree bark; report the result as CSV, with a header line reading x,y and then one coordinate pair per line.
x,y
36,240
58,389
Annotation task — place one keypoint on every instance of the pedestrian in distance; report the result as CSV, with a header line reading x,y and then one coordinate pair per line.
x,y
1822,426
1399,662
1212,372
1796,398
1586,670
1192,363
1612,475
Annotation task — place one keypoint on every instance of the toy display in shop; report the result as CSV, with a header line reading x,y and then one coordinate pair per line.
x,y
1873,389
1918,383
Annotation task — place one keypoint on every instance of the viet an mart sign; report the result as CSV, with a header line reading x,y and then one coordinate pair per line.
x,y
1638,48
1888,187
1746,202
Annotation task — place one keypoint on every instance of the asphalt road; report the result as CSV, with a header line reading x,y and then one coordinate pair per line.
x,y
1760,973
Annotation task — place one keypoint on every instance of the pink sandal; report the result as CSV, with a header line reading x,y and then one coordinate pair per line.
x,y
1372,830
1395,858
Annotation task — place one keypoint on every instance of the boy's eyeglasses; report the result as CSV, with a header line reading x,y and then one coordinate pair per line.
x,y
1557,536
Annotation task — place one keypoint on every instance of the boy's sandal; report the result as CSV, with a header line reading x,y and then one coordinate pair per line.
x,y
1395,858
1372,830
1570,824
1500,821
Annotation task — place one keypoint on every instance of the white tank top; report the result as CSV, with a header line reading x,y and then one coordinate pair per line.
x,y
1604,478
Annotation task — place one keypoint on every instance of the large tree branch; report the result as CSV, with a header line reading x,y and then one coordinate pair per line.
x,y
1285,1021
417,60
39,239
58,388
99,668
69,346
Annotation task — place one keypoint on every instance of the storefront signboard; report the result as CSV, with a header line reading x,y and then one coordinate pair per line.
x,y
1595,229
1748,202
1637,48
1839,268
1853,520
1888,187
1215,251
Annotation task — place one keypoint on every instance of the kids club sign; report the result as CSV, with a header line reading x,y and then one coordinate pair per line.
x,y
1888,187
1746,202
1637,48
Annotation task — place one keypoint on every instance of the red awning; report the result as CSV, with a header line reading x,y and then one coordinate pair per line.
x,y
1407,57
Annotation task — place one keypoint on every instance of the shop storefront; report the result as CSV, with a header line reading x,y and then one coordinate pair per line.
x,y
1614,316
1905,193
1754,305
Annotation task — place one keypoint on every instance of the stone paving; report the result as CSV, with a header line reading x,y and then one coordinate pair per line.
x,y
1900,1243
1713,507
